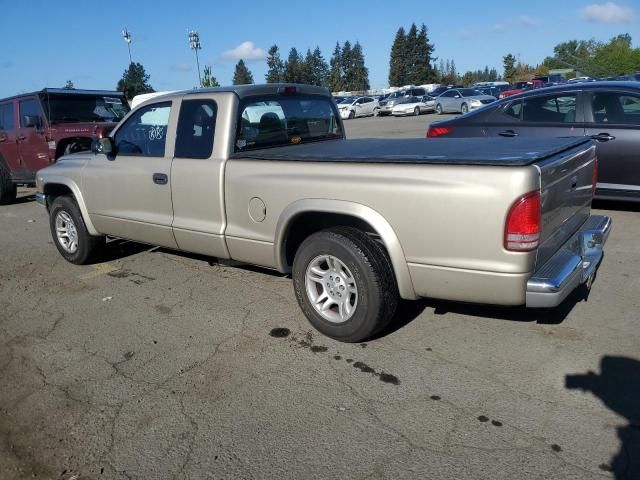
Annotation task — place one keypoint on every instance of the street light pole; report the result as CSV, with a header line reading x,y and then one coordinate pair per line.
x,y
127,38
194,44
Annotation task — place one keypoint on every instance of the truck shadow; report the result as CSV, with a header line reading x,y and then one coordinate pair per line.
x,y
616,205
618,388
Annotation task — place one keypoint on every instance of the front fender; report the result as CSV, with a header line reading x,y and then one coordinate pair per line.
x,y
42,180
368,215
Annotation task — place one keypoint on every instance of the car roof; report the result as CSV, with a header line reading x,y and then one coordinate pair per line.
x,y
69,91
243,91
567,87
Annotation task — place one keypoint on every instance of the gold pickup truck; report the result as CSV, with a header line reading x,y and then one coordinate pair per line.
x,y
262,174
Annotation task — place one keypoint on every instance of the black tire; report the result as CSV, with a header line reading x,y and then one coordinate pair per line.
x,y
439,109
464,108
370,266
376,112
416,111
89,247
352,114
8,189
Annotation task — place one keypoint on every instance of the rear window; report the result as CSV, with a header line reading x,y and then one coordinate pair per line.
x,y
286,120
71,107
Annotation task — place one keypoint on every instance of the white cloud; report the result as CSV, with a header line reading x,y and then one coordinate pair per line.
x,y
499,28
180,67
527,21
607,13
246,51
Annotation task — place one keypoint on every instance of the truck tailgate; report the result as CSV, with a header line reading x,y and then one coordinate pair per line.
x,y
566,182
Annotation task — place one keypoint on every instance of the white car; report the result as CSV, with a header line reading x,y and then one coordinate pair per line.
x,y
413,106
358,107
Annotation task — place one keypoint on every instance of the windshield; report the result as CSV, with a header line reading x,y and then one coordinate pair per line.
x,y
346,101
408,100
438,91
84,108
469,92
286,120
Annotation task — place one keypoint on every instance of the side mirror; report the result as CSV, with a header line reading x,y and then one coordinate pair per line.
x,y
457,96
104,146
31,121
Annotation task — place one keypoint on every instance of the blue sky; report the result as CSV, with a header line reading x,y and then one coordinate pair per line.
x,y
81,41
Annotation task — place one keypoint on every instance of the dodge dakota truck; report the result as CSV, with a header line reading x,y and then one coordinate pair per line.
x,y
263,174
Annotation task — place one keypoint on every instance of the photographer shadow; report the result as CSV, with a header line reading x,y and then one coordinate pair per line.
x,y
618,387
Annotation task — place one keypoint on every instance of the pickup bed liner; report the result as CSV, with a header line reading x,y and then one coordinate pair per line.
x,y
463,151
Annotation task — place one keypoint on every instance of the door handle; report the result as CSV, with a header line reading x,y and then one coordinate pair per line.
x,y
21,137
3,137
160,178
508,133
603,137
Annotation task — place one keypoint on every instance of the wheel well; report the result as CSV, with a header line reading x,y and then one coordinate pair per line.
x,y
308,223
55,190
84,144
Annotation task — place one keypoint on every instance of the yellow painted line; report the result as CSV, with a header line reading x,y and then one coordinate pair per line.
x,y
100,269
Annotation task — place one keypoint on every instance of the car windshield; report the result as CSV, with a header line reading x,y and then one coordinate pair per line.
x,y
469,92
409,100
346,101
68,107
438,91
286,120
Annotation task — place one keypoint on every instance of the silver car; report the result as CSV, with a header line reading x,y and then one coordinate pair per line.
x,y
461,100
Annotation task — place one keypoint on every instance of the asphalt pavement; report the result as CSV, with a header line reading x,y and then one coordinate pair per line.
x,y
156,364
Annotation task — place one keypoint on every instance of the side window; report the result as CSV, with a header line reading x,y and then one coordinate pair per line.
x,y
28,108
514,110
145,132
6,116
616,108
196,129
550,109
367,100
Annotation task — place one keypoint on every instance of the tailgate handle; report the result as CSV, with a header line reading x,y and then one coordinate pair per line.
x,y
160,178
603,137
574,183
508,133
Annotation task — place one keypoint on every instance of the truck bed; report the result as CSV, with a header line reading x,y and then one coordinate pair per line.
x,y
463,151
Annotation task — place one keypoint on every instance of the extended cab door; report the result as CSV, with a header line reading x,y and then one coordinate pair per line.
x,y
128,194
8,136
197,174
553,115
33,148
613,119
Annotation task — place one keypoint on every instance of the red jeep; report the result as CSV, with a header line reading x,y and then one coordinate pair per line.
x,y
37,128
522,86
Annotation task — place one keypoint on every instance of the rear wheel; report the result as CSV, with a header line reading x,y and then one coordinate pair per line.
x,y
70,233
464,108
8,189
344,284
439,109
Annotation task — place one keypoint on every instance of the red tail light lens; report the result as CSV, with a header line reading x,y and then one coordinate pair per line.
x,y
594,179
288,90
435,132
522,228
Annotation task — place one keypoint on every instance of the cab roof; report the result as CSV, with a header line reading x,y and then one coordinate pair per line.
x,y
66,91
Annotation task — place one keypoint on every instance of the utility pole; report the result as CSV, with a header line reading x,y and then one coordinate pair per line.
x,y
127,38
194,44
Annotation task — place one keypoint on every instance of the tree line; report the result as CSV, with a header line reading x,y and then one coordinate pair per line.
x,y
410,61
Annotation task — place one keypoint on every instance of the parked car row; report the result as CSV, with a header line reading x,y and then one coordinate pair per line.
x,y
608,112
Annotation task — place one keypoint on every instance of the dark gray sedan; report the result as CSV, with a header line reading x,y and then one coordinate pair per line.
x,y
609,112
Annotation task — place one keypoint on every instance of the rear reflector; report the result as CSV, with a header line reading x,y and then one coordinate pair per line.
x,y
435,132
522,228
594,178
288,90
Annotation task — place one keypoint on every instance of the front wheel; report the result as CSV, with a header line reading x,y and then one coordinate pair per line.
x,y
344,284
70,233
376,112
464,108
352,114
439,109
8,189
416,111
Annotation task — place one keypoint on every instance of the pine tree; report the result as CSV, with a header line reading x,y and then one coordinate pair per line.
x,y
346,66
134,81
69,85
275,74
292,68
306,68
398,59
411,49
509,63
208,80
336,79
317,67
423,71
242,75
359,71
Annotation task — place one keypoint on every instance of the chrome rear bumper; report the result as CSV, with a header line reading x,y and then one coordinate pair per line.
x,y
574,264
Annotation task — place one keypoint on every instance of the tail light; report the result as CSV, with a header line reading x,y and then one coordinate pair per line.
x,y
522,228
435,132
594,179
288,90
